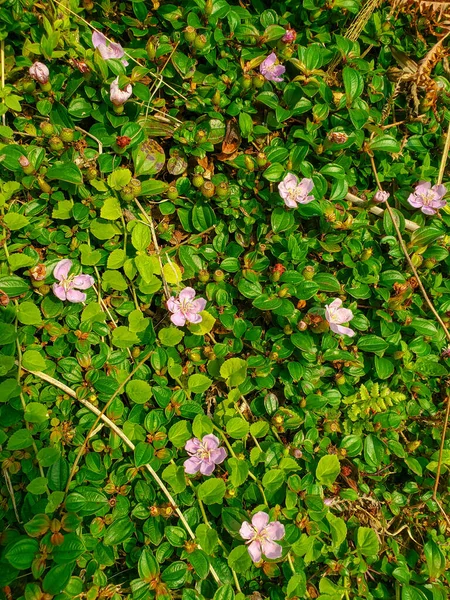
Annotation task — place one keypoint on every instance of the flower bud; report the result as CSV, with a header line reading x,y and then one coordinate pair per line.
x,y
381,196
283,292
136,186
337,137
208,189
308,273
39,272
289,36
151,49
223,189
429,263
261,159
258,81
416,259
127,193
302,326
200,136
190,34
249,164
216,98
197,180
208,7
39,72
246,82
26,165
203,276
91,173
117,95
172,192
47,128
30,129
44,185
366,253
218,276
200,41
67,135
56,144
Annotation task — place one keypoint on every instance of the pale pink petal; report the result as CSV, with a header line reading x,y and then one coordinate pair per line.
x,y
173,305
198,305
75,296
207,467
192,465
59,291
415,200
192,446
83,282
270,60
290,182
210,441
337,303
254,549
290,202
61,270
306,185
345,315
98,39
428,210
193,317
271,549
219,455
438,203
423,188
439,189
342,330
304,199
275,531
260,520
187,294
178,319
246,531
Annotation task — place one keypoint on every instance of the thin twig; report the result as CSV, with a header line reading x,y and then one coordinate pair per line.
x,y
2,60
149,220
444,156
408,258
441,449
129,443
376,210
11,492
100,145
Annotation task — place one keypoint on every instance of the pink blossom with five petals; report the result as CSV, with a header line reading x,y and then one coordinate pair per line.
x,y
428,199
68,286
204,455
185,307
261,536
108,49
270,68
295,192
336,316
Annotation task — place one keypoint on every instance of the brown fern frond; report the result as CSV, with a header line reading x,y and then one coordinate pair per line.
x,y
436,12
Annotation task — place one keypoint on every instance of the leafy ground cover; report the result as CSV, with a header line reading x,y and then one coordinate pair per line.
x,y
224,300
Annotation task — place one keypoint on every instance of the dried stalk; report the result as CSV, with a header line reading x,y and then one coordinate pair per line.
x,y
131,446
376,210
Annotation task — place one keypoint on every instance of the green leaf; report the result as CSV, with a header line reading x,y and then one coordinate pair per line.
x,y
138,391
111,209
245,124
170,336
385,143
328,469
372,343
225,592
175,477
239,559
29,314
21,554
234,370
118,532
296,587
179,434
68,172
143,454
20,439
35,412
206,325
338,529
353,84
212,491
367,541
15,221
199,383
147,566
13,285
237,428
141,237
122,337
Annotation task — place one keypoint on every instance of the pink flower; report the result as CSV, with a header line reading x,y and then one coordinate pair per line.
x,y
39,72
185,308
271,70
335,315
24,162
107,49
428,199
117,95
381,196
295,192
261,535
204,455
68,286
289,36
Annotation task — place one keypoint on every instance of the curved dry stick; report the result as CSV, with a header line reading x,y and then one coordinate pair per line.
x,y
129,443
376,210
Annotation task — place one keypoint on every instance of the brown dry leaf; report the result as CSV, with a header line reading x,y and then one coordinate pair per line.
x,y
232,137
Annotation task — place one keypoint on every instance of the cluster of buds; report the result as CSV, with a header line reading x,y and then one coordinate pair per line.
x,y
131,191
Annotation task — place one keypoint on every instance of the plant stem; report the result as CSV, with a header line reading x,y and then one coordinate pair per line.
x,y
408,258
441,449
444,157
129,443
